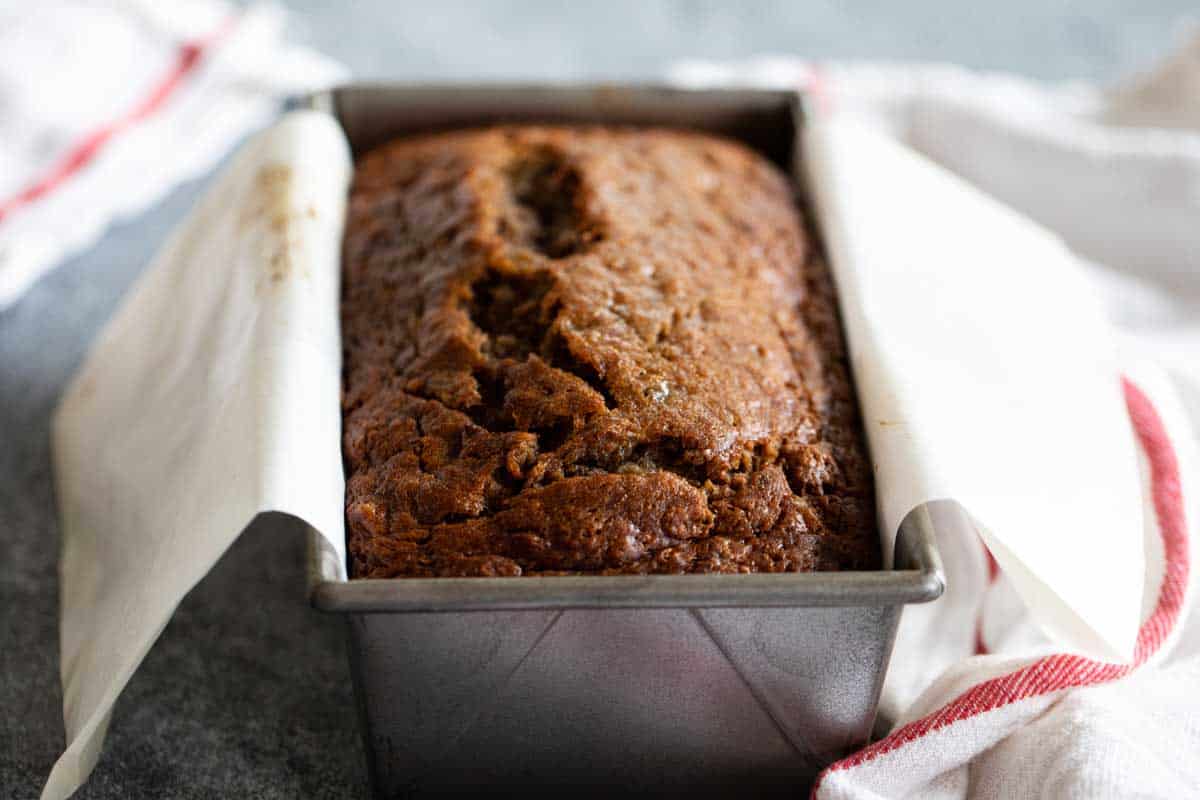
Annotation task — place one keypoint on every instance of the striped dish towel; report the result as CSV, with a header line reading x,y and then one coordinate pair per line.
x,y
104,107
1013,717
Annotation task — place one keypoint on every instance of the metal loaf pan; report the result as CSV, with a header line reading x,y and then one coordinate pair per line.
x,y
697,685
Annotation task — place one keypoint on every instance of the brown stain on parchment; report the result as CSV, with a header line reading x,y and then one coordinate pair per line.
x,y
268,205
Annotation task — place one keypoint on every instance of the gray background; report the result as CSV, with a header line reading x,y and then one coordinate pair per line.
x,y
247,693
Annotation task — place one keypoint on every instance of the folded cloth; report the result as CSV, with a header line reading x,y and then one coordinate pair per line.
x,y
104,107
980,702
1018,719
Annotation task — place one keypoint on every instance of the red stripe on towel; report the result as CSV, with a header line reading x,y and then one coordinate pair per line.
x,y
85,150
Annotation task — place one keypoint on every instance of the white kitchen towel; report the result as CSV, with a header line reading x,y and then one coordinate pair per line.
x,y
105,106
982,704
1011,717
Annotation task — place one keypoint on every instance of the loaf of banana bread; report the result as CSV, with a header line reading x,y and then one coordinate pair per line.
x,y
591,350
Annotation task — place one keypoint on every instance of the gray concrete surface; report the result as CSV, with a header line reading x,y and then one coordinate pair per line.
x,y
247,694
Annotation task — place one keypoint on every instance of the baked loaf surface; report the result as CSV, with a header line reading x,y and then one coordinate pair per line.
x,y
592,350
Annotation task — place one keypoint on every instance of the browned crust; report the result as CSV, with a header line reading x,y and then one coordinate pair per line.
x,y
592,350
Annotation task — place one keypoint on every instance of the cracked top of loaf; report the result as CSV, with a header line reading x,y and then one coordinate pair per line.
x,y
592,350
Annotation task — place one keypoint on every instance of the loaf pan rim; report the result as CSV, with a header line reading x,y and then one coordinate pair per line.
x,y
919,577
